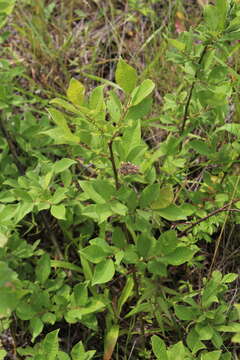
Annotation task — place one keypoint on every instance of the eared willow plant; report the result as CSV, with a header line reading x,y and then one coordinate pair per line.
x,y
100,231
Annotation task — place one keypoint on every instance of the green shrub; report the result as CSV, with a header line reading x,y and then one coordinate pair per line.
x,y
95,224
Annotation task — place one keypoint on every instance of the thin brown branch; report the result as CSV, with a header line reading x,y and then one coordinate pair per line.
x,y
224,208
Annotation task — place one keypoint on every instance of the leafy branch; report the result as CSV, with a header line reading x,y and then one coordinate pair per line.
x,y
186,110
21,169
217,211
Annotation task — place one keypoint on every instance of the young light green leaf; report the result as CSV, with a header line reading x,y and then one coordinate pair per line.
x,y
6,273
96,99
193,341
98,212
50,345
177,352
78,352
179,256
126,76
66,178
59,195
81,294
159,348
167,242
232,327
94,194
204,331
114,107
94,254
142,307
131,138
201,147
174,213
58,118
236,338
185,312
118,208
221,8
3,354
163,198
125,294
228,278
61,136
43,268
142,91
25,311
49,318
118,237
63,164
62,355
3,240
36,326
177,44
209,294
58,211
65,105
140,110
104,272
66,265
78,312
5,10
232,128
144,244
156,267
23,209
148,195
212,355
75,92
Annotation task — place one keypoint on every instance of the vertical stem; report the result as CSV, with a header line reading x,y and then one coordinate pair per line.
x,y
112,159
186,111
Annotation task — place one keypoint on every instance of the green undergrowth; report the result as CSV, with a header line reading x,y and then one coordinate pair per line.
x,y
114,246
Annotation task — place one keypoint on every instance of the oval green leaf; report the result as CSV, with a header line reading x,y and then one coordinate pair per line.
x,y
126,76
104,272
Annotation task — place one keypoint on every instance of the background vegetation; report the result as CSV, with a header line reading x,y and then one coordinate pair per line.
x,y
120,194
